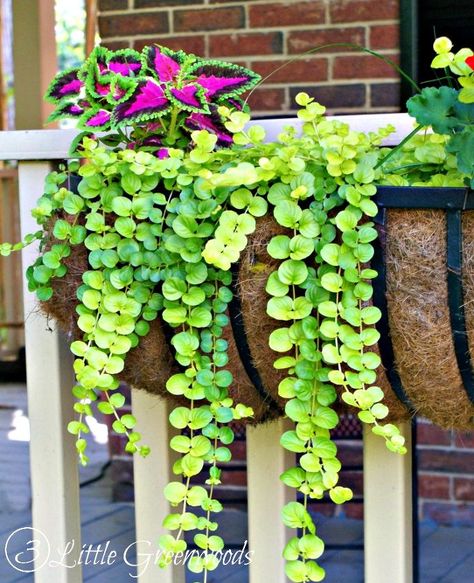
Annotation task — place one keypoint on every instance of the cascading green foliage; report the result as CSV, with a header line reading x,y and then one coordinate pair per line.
x,y
162,228
161,237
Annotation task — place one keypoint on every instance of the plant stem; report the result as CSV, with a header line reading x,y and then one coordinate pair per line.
x,y
400,145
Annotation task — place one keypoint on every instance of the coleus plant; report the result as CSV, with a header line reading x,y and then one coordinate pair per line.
x,y
165,211
153,99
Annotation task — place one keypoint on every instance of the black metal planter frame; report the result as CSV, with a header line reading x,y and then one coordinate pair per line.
x,y
453,201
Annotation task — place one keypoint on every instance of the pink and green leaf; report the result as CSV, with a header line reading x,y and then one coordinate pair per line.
x,y
125,62
164,64
96,119
223,80
212,123
148,101
188,98
121,89
65,85
67,109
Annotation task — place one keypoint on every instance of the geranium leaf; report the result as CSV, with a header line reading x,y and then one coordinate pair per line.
x,y
434,107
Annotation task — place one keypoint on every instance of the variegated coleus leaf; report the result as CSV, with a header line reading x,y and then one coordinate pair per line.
x,y
147,102
169,68
212,123
190,97
164,64
65,86
222,80
125,62
111,75
97,119
68,109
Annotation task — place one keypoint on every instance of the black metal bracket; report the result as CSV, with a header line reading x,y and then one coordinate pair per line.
x,y
380,300
243,348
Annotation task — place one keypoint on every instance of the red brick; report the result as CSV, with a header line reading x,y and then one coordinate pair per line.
x,y
353,480
362,67
121,470
131,24
267,100
209,19
384,37
430,486
117,444
334,97
353,510
350,455
464,489
112,5
284,14
385,95
449,513
237,478
239,45
239,450
302,70
464,439
447,461
428,434
164,3
304,40
116,45
323,508
190,44
362,10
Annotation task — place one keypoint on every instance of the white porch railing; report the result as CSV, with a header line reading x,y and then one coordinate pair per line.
x,y
54,472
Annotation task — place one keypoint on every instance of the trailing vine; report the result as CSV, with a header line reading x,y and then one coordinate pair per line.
x,y
165,205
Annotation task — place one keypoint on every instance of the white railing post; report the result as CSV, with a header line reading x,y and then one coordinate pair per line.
x,y
388,530
151,476
266,461
54,471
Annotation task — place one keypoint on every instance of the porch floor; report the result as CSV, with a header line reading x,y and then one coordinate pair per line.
x,y
447,554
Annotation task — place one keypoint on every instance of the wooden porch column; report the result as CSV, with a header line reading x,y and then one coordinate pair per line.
x,y
152,474
388,531
266,461
50,378
34,57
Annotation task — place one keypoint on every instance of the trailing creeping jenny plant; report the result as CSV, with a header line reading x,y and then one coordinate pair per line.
x,y
166,203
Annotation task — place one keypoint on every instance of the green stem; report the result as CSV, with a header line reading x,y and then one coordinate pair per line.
x,y
174,117
400,145
334,45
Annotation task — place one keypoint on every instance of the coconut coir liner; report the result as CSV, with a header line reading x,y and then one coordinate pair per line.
x,y
256,265
417,296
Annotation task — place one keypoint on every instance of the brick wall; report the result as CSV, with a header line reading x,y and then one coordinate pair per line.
x,y
446,475
264,34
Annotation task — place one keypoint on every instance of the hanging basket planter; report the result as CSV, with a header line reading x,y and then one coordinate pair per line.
x,y
425,261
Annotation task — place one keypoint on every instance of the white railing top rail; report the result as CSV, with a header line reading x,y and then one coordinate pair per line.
x,y
54,144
